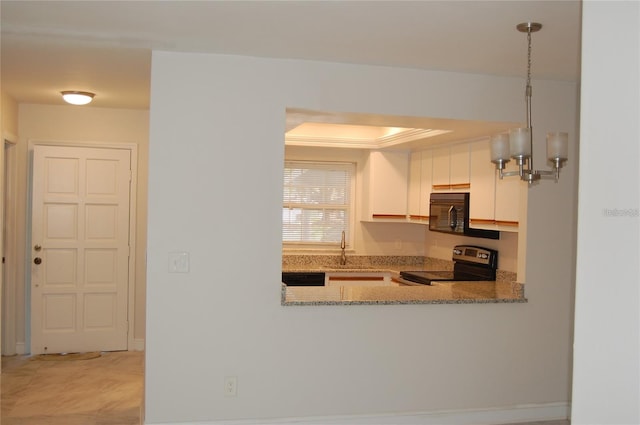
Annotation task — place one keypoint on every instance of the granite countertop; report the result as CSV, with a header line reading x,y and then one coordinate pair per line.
x,y
504,290
458,292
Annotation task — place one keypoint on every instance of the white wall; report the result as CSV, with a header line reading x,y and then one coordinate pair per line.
x,y
210,115
606,376
86,125
9,114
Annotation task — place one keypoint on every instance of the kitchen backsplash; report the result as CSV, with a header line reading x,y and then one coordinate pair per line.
x,y
295,260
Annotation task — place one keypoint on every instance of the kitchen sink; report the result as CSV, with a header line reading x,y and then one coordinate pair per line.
x,y
303,278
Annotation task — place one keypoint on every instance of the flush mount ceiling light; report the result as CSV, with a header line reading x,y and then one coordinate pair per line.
x,y
518,144
77,97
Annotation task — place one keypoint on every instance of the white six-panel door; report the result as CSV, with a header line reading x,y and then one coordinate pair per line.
x,y
80,249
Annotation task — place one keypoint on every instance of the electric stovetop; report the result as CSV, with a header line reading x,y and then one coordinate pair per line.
x,y
470,263
426,277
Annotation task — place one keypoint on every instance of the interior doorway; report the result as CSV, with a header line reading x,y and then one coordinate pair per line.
x,y
9,245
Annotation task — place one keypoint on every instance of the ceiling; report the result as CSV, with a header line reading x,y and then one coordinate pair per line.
x,y
105,46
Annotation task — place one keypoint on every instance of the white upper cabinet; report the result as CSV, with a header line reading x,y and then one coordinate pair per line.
x,y
494,203
509,190
451,168
398,185
420,181
483,184
459,173
387,175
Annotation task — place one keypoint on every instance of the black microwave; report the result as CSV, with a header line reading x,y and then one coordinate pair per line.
x,y
449,213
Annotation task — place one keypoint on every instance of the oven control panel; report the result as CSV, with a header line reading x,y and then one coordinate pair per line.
x,y
475,254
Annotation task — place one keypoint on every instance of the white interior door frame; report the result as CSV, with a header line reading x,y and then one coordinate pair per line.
x,y
133,149
9,178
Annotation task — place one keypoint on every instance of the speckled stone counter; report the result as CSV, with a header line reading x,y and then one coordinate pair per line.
x,y
438,293
504,290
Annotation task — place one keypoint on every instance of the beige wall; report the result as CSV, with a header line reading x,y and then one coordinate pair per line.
x,y
9,112
86,125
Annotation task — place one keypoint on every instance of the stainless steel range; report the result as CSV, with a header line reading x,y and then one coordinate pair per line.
x,y
470,262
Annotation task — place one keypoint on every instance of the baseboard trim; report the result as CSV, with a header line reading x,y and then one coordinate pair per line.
x,y
488,416
21,348
138,345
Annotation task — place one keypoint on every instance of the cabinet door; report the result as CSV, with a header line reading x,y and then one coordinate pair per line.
x,y
483,180
426,176
451,168
441,168
419,185
459,167
415,184
508,192
389,178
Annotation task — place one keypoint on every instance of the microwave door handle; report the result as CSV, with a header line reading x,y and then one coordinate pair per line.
x,y
453,217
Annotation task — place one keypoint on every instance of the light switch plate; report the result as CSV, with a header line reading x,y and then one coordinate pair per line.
x,y
179,262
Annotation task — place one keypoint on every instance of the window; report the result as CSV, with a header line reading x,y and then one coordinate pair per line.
x,y
317,203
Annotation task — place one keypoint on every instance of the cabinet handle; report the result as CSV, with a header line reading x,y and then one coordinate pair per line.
x,y
441,187
461,186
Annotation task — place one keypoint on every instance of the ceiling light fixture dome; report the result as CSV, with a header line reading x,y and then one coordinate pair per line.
x,y
75,97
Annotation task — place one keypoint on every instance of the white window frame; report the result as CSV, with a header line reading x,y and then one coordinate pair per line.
x,y
350,207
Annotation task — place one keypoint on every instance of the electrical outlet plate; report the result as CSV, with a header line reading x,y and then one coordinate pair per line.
x,y
230,386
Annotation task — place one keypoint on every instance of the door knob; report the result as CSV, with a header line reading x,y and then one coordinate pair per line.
x,y
37,260
37,247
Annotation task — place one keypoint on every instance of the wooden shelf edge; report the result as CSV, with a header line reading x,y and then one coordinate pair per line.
x,y
454,186
389,216
507,223
489,224
461,186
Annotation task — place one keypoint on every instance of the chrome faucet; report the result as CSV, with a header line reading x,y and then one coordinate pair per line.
x,y
343,256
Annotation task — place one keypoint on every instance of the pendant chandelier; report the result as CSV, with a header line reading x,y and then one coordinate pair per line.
x,y
518,144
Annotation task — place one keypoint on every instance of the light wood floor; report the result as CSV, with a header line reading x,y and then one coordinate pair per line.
x,y
107,390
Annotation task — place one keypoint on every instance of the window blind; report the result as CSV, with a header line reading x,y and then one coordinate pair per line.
x,y
317,201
